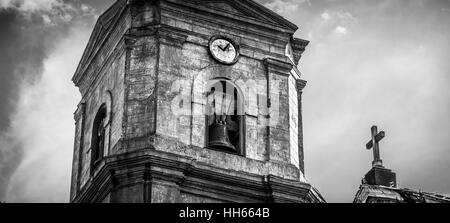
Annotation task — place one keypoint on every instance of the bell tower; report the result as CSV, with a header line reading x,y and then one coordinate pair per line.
x,y
190,102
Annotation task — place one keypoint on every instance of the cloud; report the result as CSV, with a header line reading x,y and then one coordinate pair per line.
x,y
384,72
8,160
51,11
326,16
340,31
331,24
387,73
43,124
27,60
338,18
285,7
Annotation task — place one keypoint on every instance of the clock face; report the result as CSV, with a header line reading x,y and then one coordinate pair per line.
x,y
223,50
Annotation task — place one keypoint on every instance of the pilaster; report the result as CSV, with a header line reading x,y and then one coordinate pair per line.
x,y
301,84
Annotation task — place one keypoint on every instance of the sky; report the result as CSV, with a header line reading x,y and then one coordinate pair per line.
x,y
369,63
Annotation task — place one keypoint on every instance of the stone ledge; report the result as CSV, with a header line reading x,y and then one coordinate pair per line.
x,y
299,47
126,170
278,67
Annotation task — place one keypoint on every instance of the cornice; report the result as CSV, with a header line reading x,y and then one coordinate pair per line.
x,y
298,48
172,36
301,84
102,30
278,67
188,174
252,13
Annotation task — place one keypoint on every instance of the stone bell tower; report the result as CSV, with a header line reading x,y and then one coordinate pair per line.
x,y
190,101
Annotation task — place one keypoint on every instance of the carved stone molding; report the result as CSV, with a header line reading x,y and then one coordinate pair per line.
x,y
301,84
171,36
298,47
277,67
147,166
79,112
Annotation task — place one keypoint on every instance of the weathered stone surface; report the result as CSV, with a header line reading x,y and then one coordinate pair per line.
x,y
293,122
191,198
129,194
172,178
153,53
381,194
165,193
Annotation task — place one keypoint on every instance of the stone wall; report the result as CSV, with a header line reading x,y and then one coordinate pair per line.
x,y
293,121
188,62
102,83
154,52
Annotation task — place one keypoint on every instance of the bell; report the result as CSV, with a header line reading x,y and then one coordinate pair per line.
x,y
218,138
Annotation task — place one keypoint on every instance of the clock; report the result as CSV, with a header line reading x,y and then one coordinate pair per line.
x,y
224,50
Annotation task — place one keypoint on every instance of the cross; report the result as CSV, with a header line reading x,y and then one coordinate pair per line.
x,y
376,138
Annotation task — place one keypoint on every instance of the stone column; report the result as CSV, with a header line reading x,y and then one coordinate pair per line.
x,y
301,84
79,117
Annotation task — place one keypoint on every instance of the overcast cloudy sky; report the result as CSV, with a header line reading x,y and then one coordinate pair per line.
x,y
370,62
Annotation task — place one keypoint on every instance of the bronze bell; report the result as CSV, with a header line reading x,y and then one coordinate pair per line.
x,y
218,137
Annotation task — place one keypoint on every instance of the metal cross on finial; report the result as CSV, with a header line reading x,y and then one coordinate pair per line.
x,y
376,138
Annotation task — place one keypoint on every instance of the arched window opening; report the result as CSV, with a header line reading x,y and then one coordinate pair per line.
x,y
98,137
225,118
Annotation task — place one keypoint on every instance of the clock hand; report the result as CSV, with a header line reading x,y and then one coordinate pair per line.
x,y
220,47
228,45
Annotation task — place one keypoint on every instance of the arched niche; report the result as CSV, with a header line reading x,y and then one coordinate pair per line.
x,y
225,117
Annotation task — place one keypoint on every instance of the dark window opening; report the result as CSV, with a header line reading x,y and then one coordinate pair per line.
x,y
225,118
98,137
